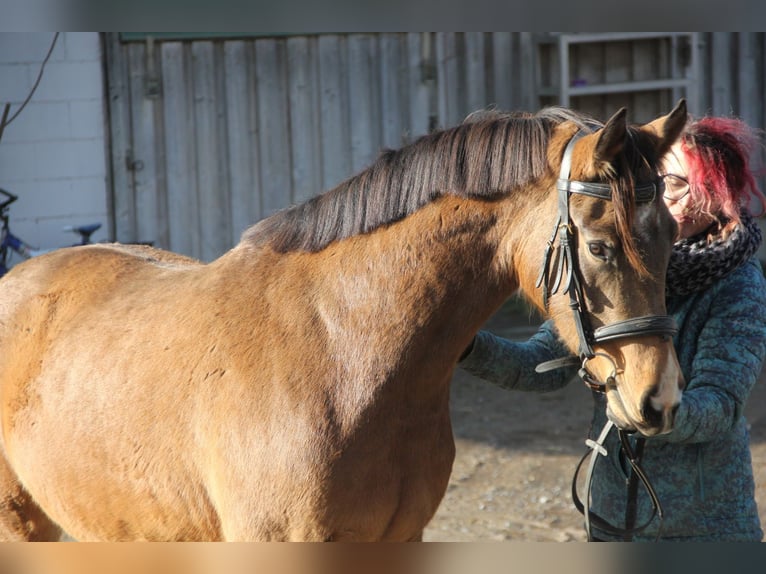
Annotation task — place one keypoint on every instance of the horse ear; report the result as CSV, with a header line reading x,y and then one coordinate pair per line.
x,y
668,128
611,139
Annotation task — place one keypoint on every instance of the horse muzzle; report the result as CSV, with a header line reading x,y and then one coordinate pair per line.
x,y
654,413
643,384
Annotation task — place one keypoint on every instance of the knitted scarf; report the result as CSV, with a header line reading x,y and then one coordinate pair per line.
x,y
696,263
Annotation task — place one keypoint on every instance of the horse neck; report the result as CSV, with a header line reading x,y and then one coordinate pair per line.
x,y
431,279
394,308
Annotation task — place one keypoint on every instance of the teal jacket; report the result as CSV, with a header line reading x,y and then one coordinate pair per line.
x,y
702,470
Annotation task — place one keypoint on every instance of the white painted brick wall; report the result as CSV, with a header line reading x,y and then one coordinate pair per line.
x,y
53,156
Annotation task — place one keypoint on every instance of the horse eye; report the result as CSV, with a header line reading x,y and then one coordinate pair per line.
x,y
598,250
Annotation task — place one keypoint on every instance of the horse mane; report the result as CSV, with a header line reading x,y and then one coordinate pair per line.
x,y
489,155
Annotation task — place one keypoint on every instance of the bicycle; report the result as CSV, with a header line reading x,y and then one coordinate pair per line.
x,y
10,243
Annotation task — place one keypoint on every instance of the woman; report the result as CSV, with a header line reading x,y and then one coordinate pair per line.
x,y
701,471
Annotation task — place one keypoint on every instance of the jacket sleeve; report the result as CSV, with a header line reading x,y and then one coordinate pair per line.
x,y
511,364
728,360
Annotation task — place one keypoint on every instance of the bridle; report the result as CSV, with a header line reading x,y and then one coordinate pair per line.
x,y
566,272
663,325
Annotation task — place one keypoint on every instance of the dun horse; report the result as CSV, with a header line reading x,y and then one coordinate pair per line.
x,y
297,387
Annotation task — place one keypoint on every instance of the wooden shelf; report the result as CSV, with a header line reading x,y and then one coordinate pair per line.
x,y
678,77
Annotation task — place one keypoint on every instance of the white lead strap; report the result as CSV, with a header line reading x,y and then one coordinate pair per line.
x,y
597,448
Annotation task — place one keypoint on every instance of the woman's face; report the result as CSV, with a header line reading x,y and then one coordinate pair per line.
x,y
674,171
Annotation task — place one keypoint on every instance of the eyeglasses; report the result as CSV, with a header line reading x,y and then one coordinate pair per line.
x,y
676,186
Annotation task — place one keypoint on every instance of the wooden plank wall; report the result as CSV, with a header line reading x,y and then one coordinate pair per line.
x,y
209,136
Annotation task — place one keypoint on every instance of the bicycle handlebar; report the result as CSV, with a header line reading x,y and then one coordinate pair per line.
x,y
11,198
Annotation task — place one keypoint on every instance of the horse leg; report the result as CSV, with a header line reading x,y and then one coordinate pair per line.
x,y
21,519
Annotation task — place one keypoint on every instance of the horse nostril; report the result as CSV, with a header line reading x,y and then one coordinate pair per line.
x,y
652,415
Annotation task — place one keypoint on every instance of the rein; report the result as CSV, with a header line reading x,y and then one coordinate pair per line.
x,y
566,272
637,473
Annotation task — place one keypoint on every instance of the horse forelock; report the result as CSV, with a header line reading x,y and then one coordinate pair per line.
x,y
489,155
638,157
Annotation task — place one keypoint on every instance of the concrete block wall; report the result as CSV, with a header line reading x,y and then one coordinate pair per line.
x,y
53,155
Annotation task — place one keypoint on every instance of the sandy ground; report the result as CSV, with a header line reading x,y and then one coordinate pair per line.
x,y
516,455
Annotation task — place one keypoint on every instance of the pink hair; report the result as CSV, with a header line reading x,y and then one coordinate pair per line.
x,y
717,151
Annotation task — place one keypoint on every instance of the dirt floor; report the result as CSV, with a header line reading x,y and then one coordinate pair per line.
x,y
517,452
